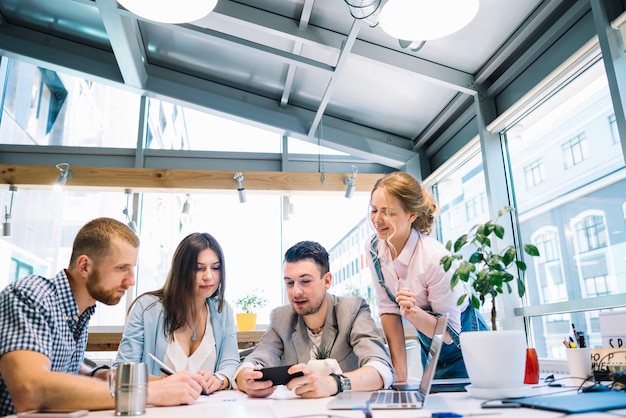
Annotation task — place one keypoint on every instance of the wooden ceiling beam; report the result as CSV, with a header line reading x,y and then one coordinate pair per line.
x,y
155,179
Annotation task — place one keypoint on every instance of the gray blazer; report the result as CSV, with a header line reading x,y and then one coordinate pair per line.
x,y
349,328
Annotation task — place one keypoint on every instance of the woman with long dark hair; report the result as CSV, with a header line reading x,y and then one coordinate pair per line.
x,y
186,324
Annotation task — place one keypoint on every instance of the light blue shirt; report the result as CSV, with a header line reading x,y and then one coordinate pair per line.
x,y
144,333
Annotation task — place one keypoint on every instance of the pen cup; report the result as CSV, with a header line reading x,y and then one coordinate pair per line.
x,y
579,362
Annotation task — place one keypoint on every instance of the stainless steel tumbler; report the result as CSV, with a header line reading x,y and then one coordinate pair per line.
x,y
128,383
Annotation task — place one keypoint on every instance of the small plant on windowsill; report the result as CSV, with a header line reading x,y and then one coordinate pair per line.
x,y
248,303
486,270
251,301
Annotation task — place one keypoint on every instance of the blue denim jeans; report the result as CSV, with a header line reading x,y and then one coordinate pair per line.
x,y
451,364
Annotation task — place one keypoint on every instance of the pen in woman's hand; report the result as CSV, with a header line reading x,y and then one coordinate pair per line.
x,y
166,370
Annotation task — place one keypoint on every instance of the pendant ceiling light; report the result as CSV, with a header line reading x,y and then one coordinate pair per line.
x,y
168,11
422,20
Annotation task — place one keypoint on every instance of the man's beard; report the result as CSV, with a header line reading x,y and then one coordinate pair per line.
x,y
106,296
313,309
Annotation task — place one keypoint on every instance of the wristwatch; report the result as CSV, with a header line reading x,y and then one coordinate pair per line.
x,y
343,383
221,379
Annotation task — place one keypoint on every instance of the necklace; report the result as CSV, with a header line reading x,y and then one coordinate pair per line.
x,y
194,334
317,331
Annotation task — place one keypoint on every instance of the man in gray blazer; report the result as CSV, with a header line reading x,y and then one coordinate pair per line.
x,y
314,321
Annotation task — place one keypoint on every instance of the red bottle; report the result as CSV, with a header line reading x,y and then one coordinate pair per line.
x,y
531,376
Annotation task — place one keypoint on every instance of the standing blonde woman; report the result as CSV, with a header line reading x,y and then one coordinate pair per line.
x,y
186,324
408,279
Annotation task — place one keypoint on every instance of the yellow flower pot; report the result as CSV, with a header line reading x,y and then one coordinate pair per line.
x,y
246,321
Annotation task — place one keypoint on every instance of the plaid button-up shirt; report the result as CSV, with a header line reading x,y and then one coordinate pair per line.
x,y
40,314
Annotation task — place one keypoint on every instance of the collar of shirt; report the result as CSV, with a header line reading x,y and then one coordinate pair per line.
x,y
68,303
407,252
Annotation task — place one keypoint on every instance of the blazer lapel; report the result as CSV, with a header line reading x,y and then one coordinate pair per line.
x,y
301,342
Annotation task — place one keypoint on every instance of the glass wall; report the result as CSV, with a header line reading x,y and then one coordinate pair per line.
x,y
45,107
569,178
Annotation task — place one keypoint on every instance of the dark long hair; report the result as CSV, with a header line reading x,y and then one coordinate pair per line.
x,y
177,293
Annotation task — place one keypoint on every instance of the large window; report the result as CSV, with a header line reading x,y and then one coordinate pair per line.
x,y
574,214
45,107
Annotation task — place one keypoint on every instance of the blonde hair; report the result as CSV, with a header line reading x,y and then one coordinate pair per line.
x,y
413,197
94,239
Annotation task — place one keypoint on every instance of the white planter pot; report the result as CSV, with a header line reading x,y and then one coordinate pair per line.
x,y
495,359
324,367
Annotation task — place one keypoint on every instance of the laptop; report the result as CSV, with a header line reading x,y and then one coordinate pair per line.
x,y
395,399
457,384
576,403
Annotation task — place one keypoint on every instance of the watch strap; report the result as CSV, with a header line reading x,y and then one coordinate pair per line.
x,y
338,380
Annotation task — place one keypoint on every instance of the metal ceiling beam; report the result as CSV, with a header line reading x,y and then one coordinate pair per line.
x,y
98,65
457,104
305,16
176,160
287,57
521,34
59,54
124,38
553,33
327,40
330,88
357,140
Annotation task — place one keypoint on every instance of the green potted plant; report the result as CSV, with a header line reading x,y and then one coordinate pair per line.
x,y
487,270
248,303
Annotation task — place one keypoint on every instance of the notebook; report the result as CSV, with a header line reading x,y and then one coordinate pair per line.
x,y
573,404
394,399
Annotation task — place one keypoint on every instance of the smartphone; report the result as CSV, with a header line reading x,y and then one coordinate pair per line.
x,y
53,413
278,375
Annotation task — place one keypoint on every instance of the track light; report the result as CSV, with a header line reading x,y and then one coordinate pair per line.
x,y
349,182
131,224
6,225
186,207
241,191
64,176
287,208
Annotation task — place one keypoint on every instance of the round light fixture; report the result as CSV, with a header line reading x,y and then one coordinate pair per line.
x,y
168,11
422,20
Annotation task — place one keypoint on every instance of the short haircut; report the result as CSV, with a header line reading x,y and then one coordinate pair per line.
x,y
309,249
94,238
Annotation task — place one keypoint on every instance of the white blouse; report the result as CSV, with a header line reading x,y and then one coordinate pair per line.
x,y
203,358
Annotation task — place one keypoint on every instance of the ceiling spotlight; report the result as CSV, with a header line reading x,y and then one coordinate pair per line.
x,y
349,182
6,225
64,176
241,191
131,224
422,20
167,11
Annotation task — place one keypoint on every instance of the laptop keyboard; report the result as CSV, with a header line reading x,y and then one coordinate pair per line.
x,y
391,397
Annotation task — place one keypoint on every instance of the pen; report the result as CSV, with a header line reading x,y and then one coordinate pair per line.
x,y
575,333
162,365
167,370
572,344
